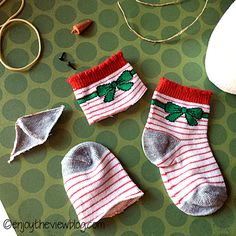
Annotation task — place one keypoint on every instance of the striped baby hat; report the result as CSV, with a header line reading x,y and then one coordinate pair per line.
x,y
96,183
108,88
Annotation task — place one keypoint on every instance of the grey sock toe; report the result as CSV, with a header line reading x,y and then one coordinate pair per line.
x,y
196,210
205,200
209,195
82,157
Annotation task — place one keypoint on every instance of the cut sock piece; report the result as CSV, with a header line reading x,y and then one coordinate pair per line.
x,y
96,183
33,130
108,88
175,140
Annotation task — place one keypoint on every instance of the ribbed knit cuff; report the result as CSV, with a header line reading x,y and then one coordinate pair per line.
x,y
90,76
184,93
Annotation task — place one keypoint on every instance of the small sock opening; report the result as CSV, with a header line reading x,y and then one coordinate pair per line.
x,y
120,207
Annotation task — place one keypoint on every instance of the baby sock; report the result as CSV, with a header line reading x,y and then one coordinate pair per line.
x,y
175,140
96,183
107,89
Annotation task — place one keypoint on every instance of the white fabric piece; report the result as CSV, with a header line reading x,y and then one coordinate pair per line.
x,y
6,228
33,130
220,56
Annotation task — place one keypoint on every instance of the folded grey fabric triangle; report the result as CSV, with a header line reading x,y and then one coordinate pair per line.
x,y
33,130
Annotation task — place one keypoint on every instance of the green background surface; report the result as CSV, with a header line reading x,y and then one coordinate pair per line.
x,y
31,187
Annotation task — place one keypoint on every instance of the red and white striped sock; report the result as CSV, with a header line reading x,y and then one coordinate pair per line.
x,y
175,140
96,183
108,88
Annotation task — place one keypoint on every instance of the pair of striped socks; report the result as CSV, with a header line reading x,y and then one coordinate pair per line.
x,y
174,139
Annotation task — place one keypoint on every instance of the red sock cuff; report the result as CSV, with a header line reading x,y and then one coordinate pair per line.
x,y
90,76
184,93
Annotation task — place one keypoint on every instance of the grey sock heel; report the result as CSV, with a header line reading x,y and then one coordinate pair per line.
x,y
157,144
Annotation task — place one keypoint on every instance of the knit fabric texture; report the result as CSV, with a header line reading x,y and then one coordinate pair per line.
x,y
109,88
175,140
33,130
96,183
